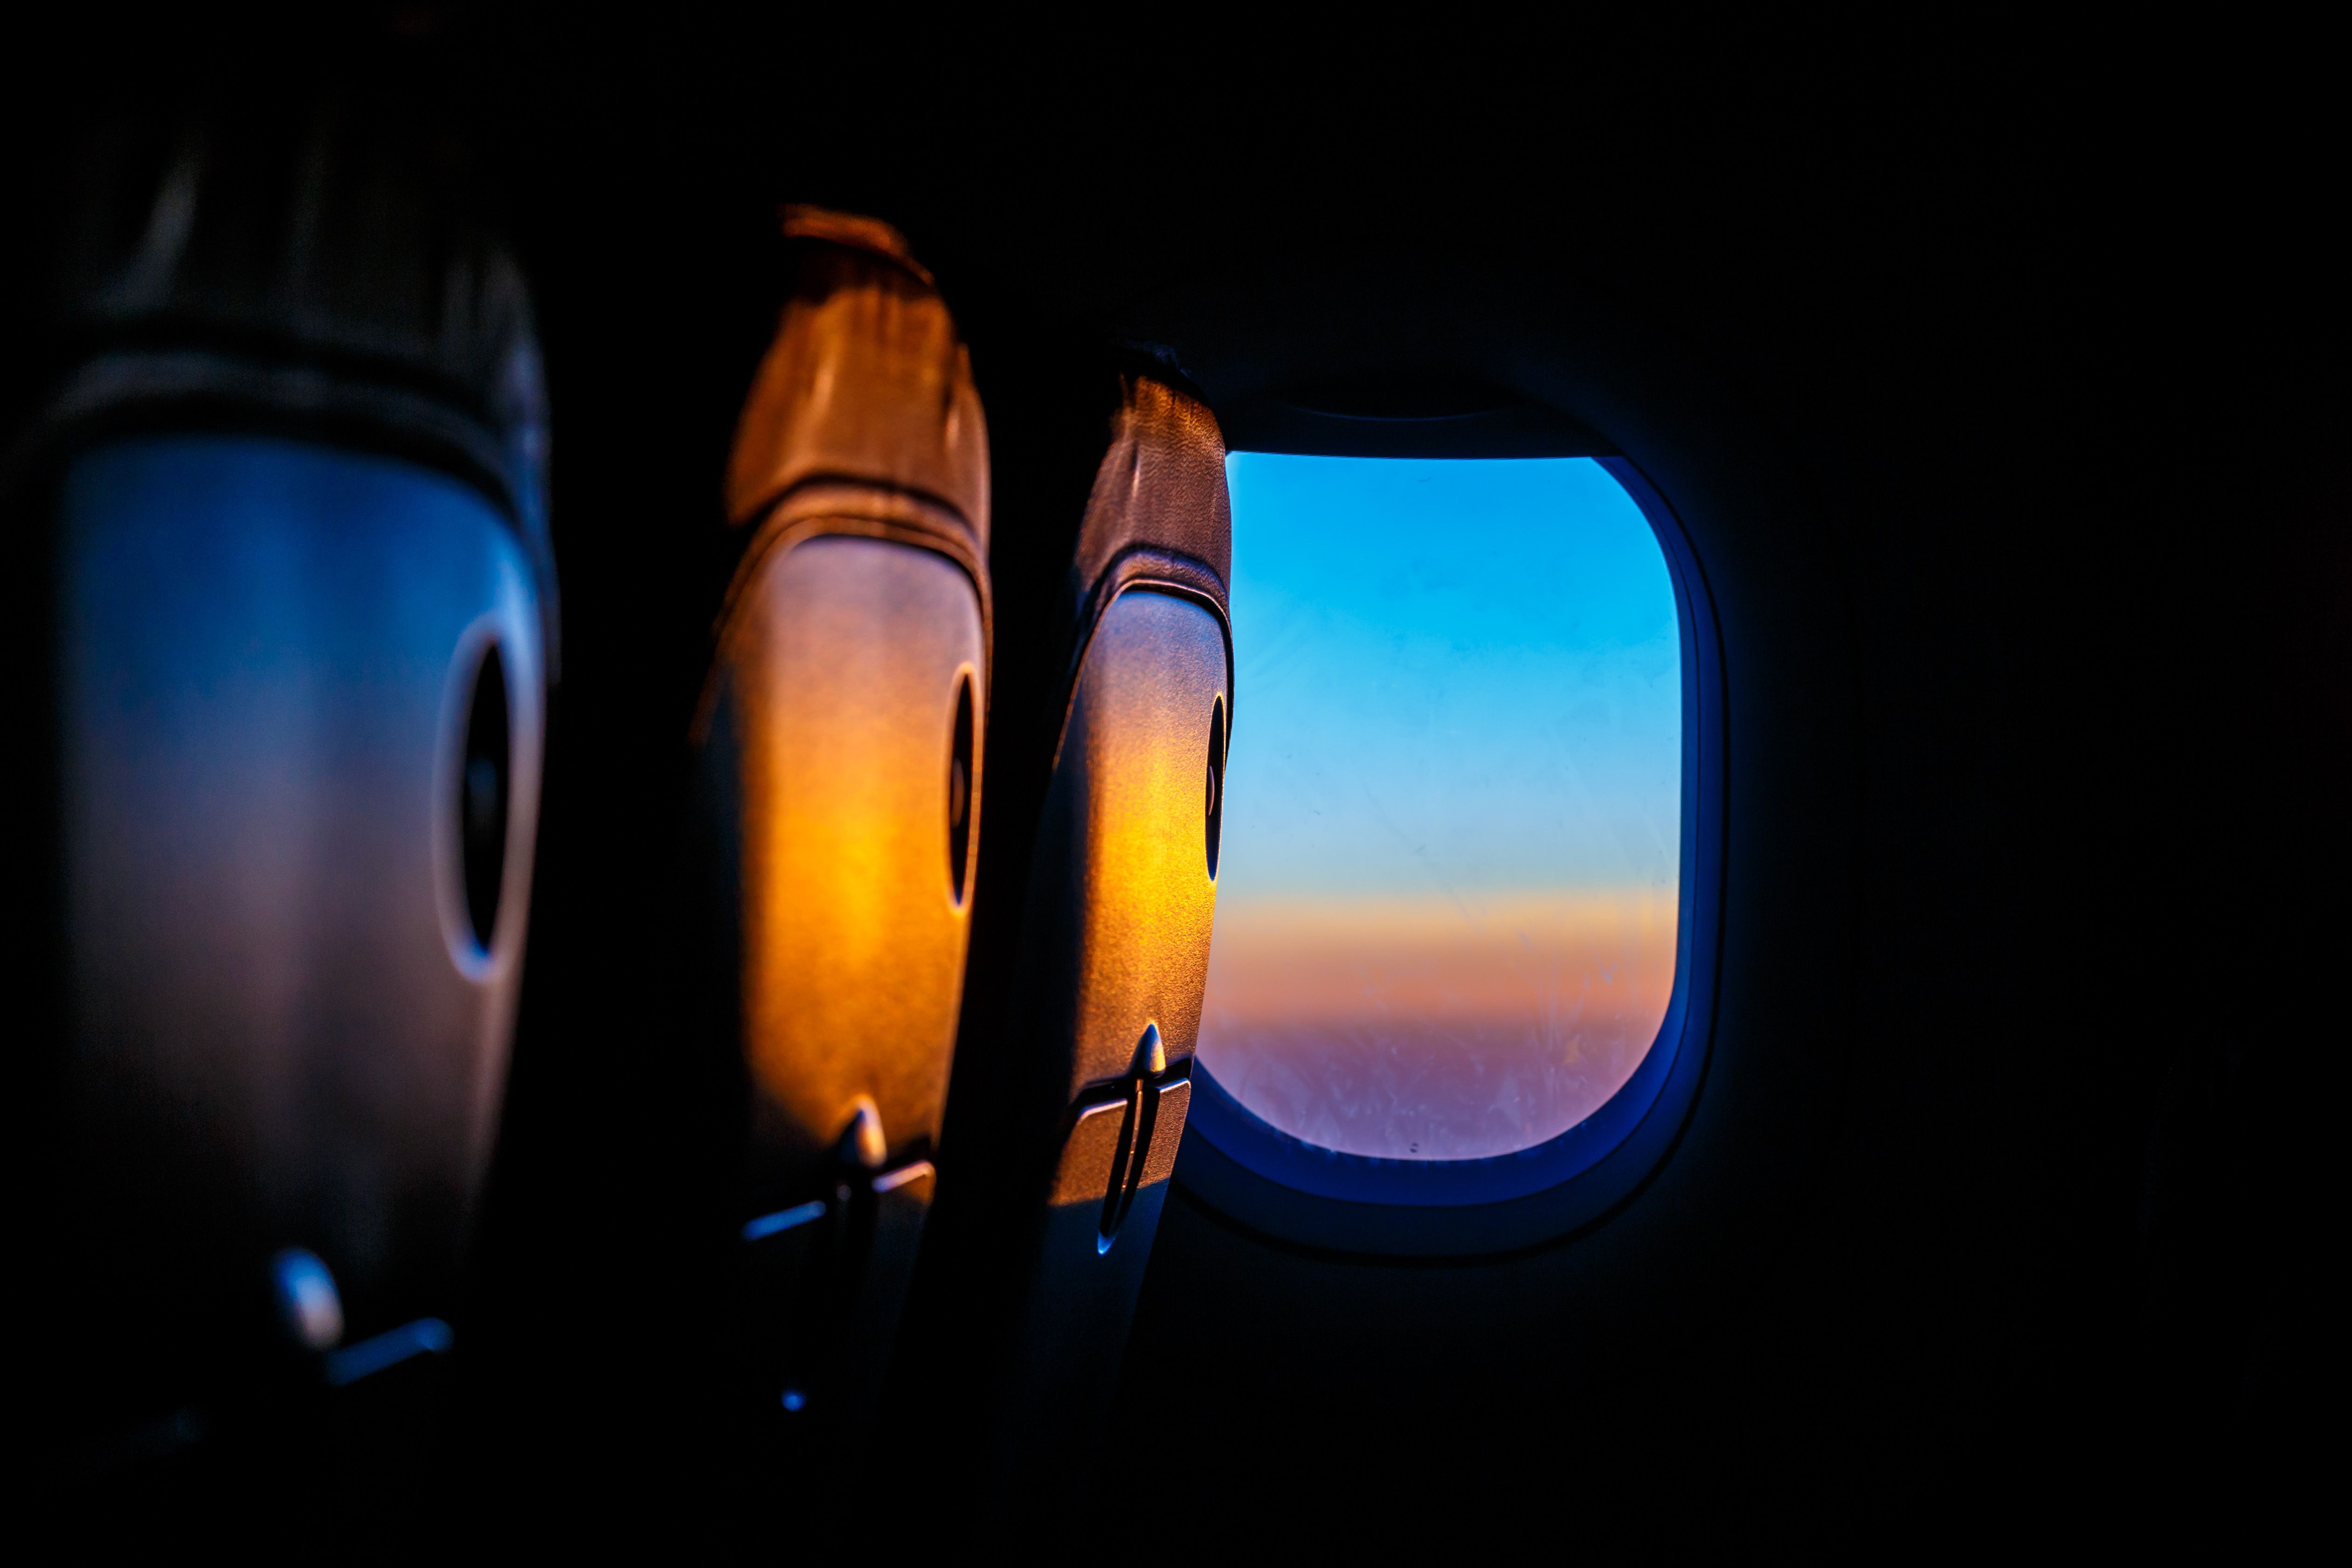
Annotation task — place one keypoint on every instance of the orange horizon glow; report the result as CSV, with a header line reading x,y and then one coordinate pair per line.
x,y
1436,1027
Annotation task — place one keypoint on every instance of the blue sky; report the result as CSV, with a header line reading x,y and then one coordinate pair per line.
x,y
1453,678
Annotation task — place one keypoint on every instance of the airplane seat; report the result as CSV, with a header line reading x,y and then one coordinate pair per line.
x,y
1090,955
840,756
287,651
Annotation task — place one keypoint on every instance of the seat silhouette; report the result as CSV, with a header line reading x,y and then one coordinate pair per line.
x,y
292,677
1098,866
840,767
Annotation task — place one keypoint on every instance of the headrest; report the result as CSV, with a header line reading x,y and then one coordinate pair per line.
x,y
328,270
867,386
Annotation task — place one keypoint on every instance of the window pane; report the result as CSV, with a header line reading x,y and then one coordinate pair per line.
x,y
1448,891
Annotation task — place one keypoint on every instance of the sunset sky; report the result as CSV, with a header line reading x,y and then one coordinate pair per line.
x,y
1446,917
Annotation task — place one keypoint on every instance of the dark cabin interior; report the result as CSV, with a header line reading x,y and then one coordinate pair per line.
x,y
1992,381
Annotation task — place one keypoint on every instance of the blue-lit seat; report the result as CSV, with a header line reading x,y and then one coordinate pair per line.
x,y
288,470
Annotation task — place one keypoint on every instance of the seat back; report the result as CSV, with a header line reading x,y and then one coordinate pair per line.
x,y
287,678
1073,1076
841,760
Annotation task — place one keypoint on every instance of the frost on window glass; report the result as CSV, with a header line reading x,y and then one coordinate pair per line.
x,y
1447,896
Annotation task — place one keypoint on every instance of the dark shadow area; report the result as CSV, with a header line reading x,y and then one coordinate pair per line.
x,y
1999,397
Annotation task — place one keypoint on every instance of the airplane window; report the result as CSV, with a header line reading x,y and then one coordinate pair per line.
x,y
1448,890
